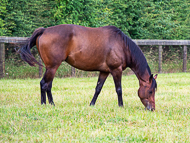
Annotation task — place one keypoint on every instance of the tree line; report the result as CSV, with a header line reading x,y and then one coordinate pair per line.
x,y
139,19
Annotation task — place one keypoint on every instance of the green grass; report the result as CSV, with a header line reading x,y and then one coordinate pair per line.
x,y
23,119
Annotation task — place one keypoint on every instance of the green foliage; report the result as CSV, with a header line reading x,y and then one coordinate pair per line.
x,y
24,16
2,16
125,15
165,20
81,12
154,19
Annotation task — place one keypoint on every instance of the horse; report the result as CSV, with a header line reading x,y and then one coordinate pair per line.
x,y
105,49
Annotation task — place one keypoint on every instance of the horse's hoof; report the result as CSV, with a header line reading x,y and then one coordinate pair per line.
x,y
92,104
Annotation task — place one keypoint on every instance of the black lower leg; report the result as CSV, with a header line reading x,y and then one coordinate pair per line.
x,y
43,87
117,73
46,84
101,80
119,94
49,94
97,92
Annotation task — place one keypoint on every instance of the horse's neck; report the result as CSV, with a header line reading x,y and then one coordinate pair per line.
x,y
137,61
142,76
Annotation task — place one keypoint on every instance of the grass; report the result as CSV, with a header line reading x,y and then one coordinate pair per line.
x,y
23,119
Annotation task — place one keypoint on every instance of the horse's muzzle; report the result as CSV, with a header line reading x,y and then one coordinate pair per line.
x,y
149,107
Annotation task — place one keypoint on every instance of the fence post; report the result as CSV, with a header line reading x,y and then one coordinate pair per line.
x,y
2,60
72,71
40,68
160,59
184,58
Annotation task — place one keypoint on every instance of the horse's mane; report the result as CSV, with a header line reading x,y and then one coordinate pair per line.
x,y
138,58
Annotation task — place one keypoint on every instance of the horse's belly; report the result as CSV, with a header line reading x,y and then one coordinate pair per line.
x,y
87,64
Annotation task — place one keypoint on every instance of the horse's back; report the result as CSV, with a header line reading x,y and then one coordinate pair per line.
x,y
82,47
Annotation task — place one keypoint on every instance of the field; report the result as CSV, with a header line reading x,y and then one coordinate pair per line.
x,y
23,119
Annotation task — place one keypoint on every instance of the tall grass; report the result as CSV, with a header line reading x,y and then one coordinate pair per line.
x,y
23,119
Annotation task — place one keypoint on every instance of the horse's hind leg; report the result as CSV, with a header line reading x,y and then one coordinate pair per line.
x,y
117,74
43,91
100,83
49,94
46,84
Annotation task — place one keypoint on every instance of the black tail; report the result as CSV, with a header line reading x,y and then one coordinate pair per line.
x,y
25,50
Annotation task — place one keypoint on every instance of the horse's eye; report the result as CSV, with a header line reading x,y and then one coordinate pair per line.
x,y
150,92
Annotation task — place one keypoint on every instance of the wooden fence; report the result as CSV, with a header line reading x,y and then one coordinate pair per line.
x,y
159,43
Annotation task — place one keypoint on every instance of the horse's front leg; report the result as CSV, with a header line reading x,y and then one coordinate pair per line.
x,y
100,83
117,74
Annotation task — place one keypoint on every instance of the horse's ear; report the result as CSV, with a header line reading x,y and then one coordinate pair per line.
x,y
155,77
150,78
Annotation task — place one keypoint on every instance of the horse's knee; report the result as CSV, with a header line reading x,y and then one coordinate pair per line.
x,y
98,89
119,91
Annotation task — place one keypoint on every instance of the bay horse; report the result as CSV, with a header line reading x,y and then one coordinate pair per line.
x,y
105,49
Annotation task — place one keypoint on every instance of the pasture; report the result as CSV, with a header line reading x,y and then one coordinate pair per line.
x,y
23,119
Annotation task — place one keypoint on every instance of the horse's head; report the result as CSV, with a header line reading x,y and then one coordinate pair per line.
x,y
146,93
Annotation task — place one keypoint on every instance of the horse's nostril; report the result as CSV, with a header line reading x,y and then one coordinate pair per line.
x,y
149,107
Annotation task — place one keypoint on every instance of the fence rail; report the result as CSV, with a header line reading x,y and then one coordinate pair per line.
x,y
158,43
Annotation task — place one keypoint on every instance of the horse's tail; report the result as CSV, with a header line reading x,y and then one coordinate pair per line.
x,y
25,50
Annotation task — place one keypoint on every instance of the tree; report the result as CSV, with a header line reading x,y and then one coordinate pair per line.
x,y
24,16
153,19
2,17
165,20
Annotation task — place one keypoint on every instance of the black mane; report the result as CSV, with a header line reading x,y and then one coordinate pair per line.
x,y
137,57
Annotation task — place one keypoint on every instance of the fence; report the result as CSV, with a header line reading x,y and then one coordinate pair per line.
x,y
159,43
